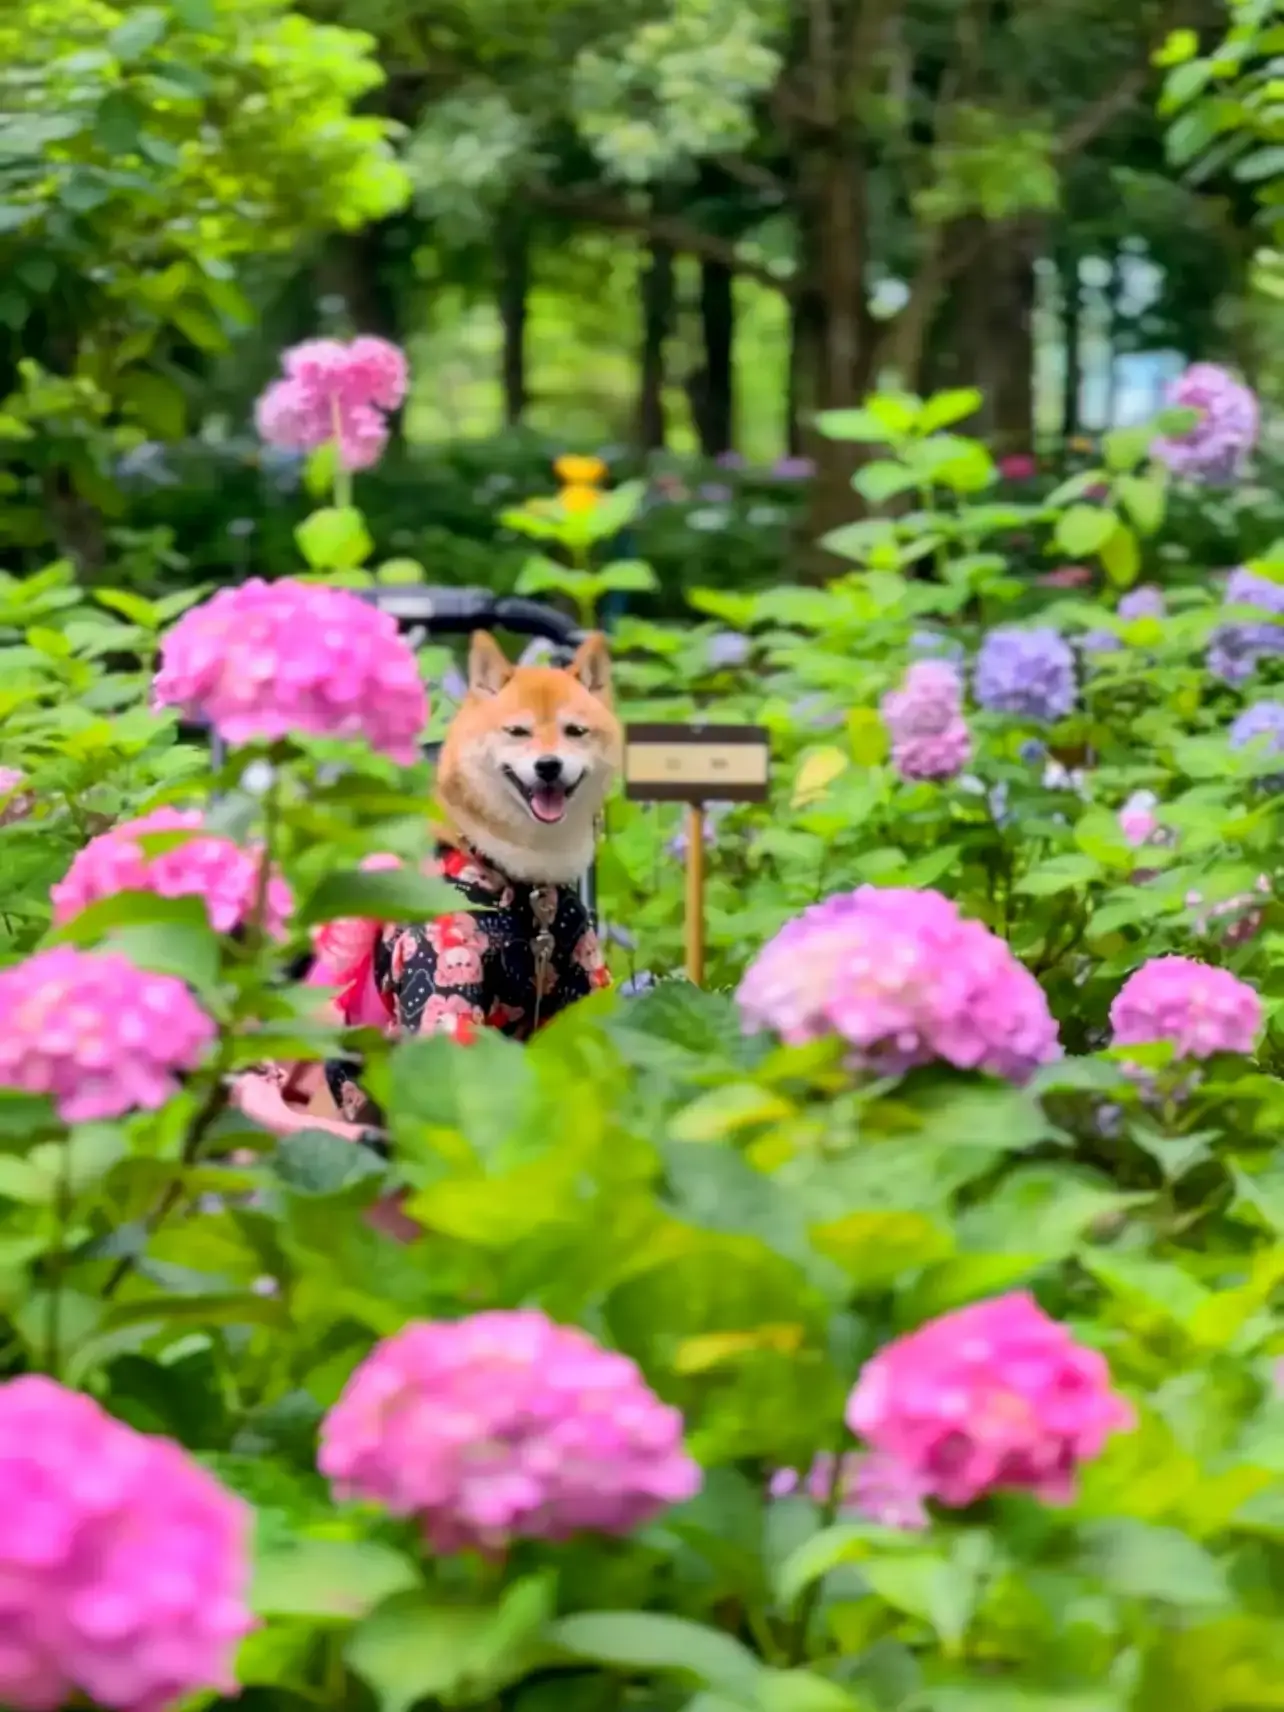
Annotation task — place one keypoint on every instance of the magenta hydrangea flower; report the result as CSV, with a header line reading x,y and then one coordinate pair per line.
x,y
1201,1010
871,1485
335,391
995,1396
98,1035
505,1426
203,865
269,660
924,718
905,979
1214,449
125,1565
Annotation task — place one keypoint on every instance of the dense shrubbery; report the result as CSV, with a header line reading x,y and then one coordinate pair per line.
x,y
1063,1500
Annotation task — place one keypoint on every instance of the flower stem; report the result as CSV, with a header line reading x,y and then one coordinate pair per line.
x,y
342,474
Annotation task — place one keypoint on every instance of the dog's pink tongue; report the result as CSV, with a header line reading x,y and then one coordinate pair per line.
x,y
548,804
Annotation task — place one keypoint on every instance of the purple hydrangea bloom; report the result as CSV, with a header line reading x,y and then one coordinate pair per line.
x,y
729,461
1025,672
874,1486
714,812
1144,602
924,718
1214,449
727,648
793,469
1100,642
1261,727
717,493
1235,649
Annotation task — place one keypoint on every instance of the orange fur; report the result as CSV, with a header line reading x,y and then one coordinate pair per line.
x,y
512,717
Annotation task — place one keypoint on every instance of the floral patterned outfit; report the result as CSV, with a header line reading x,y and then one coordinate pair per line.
x,y
513,961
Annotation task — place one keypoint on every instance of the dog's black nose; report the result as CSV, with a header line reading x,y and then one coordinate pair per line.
x,y
548,769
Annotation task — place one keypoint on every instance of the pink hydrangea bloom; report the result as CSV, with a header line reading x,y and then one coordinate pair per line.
x,y
505,1426
204,865
1018,466
15,803
1137,819
995,1396
1201,1010
268,660
98,1035
1066,576
333,391
125,1565
871,1485
905,979
924,718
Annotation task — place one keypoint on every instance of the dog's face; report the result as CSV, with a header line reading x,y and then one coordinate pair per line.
x,y
530,757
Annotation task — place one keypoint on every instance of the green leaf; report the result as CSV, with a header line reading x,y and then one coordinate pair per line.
x,y
414,1649
648,1642
1059,874
1137,1561
627,576
803,1691
1121,557
1084,529
390,894
334,539
861,426
945,408
328,1579
1124,448
318,1162
159,404
882,480
118,123
1142,498
725,1110
141,30
844,1542
1261,164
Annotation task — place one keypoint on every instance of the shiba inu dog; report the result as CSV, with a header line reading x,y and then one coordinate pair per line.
x,y
528,760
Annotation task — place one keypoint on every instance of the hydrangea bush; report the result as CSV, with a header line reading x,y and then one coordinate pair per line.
x,y
892,1327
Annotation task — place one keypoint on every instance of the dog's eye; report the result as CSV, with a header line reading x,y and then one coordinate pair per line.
x,y
517,731
576,730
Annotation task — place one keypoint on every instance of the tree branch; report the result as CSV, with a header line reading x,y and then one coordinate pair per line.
x,y
1097,118
596,210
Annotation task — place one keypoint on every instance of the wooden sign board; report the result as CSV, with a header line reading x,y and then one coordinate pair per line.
x,y
697,763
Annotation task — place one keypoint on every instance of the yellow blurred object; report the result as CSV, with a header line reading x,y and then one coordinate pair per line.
x,y
816,774
1081,443
712,1349
576,471
578,497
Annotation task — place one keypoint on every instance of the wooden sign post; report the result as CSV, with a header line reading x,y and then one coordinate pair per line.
x,y
696,765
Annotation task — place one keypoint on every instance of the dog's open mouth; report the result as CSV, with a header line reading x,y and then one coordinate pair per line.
x,y
547,803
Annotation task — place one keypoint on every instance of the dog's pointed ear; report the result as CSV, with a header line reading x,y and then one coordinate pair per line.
x,y
592,666
489,669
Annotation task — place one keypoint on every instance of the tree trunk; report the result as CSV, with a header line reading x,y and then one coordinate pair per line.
x,y
657,322
992,312
716,420
1072,333
514,291
354,266
837,349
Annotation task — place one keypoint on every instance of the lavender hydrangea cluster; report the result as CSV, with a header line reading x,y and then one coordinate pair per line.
x,y
924,718
1030,673
1235,649
1213,449
1261,729
1144,602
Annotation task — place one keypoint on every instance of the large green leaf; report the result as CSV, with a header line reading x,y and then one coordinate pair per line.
x,y
650,1643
